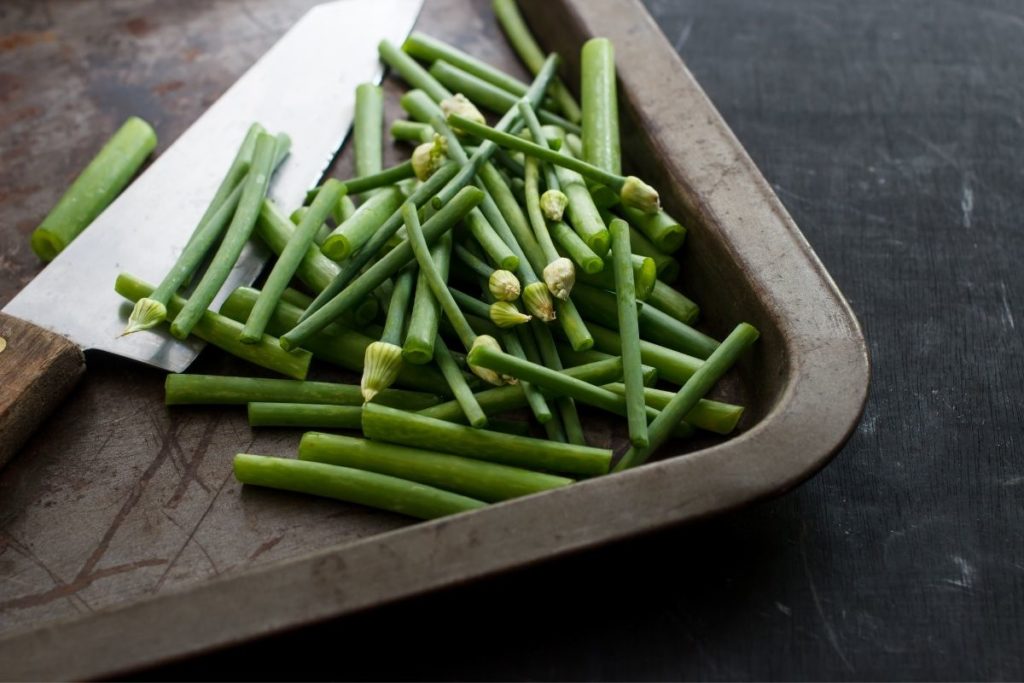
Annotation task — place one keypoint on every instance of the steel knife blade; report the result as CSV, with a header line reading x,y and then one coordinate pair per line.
x,y
303,86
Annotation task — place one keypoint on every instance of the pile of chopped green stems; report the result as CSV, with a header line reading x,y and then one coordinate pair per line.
x,y
501,268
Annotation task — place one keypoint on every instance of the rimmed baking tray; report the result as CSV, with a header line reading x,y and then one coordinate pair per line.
x,y
804,386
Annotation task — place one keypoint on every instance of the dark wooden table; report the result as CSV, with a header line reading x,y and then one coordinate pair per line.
x,y
891,131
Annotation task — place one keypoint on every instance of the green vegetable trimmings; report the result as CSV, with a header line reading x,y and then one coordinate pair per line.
x,y
95,188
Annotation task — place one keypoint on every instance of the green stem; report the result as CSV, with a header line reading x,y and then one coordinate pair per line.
x,y
315,270
600,305
222,390
507,221
513,214
412,131
507,123
472,305
315,416
388,176
573,358
430,50
490,241
572,323
655,326
223,333
661,328
480,325
290,259
538,134
667,267
503,399
473,262
398,307
666,233
426,311
352,486
573,245
482,480
421,107
600,105
489,96
540,348
321,416
540,227
345,209
554,430
518,235
542,152
355,319
575,145
236,237
526,47
350,268
717,364
411,72
152,310
305,415
384,268
673,303
629,331
334,344
321,233
585,217
413,429
537,301
645,276
561,384
713,416
515,341
368,129
437,283
354,231
458,386
95,188
633,191
671,365
511,166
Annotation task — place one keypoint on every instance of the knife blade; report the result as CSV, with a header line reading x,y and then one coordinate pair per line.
x,y
304,86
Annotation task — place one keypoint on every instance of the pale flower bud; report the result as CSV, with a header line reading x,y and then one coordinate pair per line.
x,y
538,301
504,314
560,276
381,364
641,196
504,285
459,104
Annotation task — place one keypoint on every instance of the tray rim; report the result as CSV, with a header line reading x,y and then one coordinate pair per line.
x,y
432,555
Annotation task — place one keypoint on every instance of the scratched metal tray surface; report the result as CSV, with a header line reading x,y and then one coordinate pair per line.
x,y
119,557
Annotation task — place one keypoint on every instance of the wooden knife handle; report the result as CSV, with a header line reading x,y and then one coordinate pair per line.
x,y
37,370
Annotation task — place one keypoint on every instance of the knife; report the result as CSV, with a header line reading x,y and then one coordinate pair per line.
x,y
302,86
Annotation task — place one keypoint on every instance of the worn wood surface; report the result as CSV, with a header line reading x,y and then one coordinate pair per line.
x,y
114,466
885,566
37,370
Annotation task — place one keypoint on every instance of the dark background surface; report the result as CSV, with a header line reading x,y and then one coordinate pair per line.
x,y
891,131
